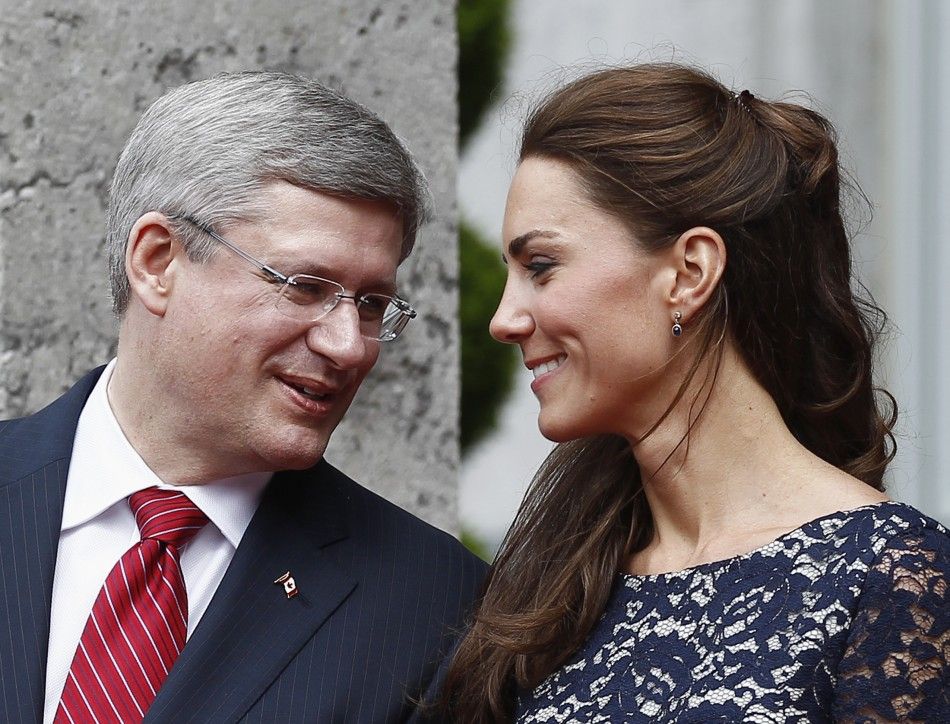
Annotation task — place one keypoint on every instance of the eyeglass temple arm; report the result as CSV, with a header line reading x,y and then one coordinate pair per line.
x,y
273,273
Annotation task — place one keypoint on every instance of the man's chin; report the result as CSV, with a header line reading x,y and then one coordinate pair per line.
x,y
301,456
298,461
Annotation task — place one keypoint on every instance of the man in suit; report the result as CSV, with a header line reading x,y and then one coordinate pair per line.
x,y
256,224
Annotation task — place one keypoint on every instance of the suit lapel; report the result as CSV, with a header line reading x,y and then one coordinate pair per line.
x,y
31,511
251,629
34,460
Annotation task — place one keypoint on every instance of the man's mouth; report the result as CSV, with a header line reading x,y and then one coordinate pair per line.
x,y
309,391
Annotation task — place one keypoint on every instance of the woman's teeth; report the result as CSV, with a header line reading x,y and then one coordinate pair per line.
x,y
546,367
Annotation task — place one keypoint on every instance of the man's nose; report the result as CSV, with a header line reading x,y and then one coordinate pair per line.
x,y
337,336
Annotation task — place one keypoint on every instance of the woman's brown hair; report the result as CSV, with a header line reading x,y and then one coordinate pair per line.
x,y
665,148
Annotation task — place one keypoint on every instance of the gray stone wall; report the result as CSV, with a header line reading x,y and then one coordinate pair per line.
x,y
74,77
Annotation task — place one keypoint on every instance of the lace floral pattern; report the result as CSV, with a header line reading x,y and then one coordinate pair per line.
x,y
845,619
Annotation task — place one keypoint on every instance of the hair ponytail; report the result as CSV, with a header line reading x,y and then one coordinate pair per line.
x,y
817,361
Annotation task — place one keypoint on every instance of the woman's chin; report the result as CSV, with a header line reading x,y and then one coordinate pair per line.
x,y
558,430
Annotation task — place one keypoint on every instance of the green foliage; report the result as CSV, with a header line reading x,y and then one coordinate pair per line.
x,y
487,366
484,41
475,545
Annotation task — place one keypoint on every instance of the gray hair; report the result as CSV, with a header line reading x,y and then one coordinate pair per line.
x,y
206,149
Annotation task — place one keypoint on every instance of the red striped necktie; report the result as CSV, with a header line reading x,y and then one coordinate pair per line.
x,y
139,622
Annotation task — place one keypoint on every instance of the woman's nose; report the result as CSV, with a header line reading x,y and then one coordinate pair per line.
x,y
512,321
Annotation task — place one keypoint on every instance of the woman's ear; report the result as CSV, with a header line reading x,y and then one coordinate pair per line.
x,y
150,261
699,259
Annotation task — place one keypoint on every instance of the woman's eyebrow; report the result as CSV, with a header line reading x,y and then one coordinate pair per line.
x,y
517,244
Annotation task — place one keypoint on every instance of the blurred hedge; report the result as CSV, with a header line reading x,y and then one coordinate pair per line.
x,y
487,366
484,42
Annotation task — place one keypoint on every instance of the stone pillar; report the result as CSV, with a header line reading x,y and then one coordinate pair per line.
x,y
74,78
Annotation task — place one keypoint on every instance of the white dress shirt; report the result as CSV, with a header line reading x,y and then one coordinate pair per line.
x,y
98,528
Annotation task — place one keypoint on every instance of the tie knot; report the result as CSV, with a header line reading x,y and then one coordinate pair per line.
x,y
166,515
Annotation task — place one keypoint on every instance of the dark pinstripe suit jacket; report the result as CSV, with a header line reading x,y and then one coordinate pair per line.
x,y
380,595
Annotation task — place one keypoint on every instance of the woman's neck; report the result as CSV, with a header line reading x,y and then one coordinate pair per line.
x,y
735,481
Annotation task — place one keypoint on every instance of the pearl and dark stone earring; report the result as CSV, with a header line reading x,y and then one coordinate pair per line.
x,y
677,327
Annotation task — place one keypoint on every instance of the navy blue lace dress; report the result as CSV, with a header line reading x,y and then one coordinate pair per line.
x,y
845,619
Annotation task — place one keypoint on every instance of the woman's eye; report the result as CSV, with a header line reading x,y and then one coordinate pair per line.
x,y
537,267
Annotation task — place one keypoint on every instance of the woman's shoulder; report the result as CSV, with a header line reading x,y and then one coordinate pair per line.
x,y
883,538
878,526
843,546
912,550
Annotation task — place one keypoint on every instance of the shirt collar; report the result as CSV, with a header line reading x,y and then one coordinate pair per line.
x,y
105,469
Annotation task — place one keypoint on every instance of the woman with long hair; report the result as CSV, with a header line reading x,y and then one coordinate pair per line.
x,y
709,541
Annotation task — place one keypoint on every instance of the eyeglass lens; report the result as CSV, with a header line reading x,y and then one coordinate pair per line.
x,y
311,298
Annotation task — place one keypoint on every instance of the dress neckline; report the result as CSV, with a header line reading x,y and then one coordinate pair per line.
x,y
632,578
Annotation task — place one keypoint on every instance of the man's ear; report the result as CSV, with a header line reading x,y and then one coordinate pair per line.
x,y
699,259
151,260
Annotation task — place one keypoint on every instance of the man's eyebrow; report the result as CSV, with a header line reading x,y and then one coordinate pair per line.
x,y
517,244
315,269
